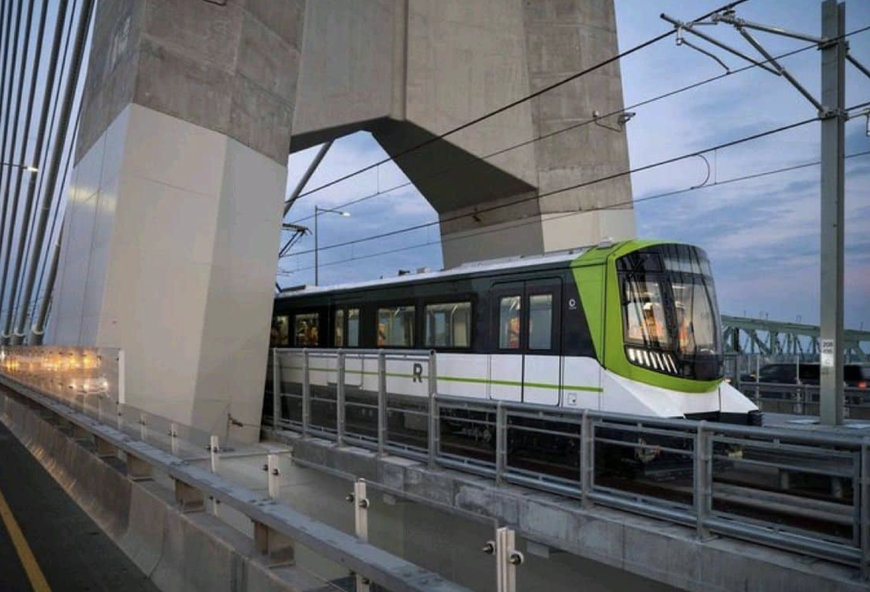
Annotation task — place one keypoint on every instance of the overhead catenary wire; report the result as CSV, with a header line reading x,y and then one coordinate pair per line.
x,y
611,206
472,159
570,187
514,103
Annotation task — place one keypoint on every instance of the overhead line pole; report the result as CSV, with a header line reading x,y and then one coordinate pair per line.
x,y
831,295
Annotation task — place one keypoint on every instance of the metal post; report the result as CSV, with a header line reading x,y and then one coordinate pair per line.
x,y
276,389
507,558
500,442
703,482
143,427
173,438
832,219
306,394
361,525
587,458
213,449
316,239
865,509
274,475
382,403
339,401
434,423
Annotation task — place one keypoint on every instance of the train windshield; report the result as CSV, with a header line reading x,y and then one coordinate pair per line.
x,y
669,311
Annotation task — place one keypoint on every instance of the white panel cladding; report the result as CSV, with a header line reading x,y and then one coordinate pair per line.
x,y
628,396
506,373
185,228
463,375
238,305
581,383
541,378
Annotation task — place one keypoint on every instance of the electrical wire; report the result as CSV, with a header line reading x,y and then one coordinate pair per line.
x,y
517,102
286,273
472,159
567,188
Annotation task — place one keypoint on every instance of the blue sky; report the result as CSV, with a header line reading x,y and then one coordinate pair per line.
x,y
762,234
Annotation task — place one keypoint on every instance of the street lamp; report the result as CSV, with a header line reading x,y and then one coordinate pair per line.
x,y
26,167
317,211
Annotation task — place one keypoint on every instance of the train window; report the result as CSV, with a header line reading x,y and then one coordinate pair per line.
x,y
396,326
306,330
353,327
448,325
509,322
643,312
339,328
541,321
280,333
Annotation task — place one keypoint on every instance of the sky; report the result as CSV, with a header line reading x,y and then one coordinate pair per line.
x,y
762,234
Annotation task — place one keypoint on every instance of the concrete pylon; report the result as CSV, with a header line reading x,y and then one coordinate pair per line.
x,y
173,218
174,211
412,70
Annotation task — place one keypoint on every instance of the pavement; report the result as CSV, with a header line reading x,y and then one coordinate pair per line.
x,y
47,543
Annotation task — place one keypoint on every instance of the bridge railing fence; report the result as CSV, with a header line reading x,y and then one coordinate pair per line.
x,y
793,489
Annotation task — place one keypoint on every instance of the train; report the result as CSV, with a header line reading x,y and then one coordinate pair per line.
x,y
628,327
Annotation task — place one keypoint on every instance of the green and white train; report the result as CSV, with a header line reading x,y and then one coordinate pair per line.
x,y
630,327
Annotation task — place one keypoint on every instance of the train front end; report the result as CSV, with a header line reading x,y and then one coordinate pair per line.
x,y
660,340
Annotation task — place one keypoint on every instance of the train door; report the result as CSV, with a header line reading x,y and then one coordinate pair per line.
x,y
526,323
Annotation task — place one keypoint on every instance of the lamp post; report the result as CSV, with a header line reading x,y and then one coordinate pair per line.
x,y
317,211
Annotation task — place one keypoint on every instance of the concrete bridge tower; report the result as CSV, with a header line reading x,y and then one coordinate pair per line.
x,y
190,110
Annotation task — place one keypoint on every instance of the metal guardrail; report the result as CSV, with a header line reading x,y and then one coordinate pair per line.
x,y
806,492
277,527
802,399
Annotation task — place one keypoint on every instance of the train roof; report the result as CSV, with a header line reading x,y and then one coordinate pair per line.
x,y
475,267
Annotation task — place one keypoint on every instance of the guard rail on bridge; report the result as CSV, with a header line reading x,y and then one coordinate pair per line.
x,y
806,492
78,389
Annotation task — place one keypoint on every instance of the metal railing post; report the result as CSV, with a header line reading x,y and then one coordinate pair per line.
x,y
173,439
865,509
382,403
587,458
306,394
507,558
500,442
143,427
213,449
434,424
434,431
433,374
703,486
361,524
339,401
274,475
276,389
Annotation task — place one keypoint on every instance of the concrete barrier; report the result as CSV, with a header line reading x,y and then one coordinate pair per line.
x,y
177,551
